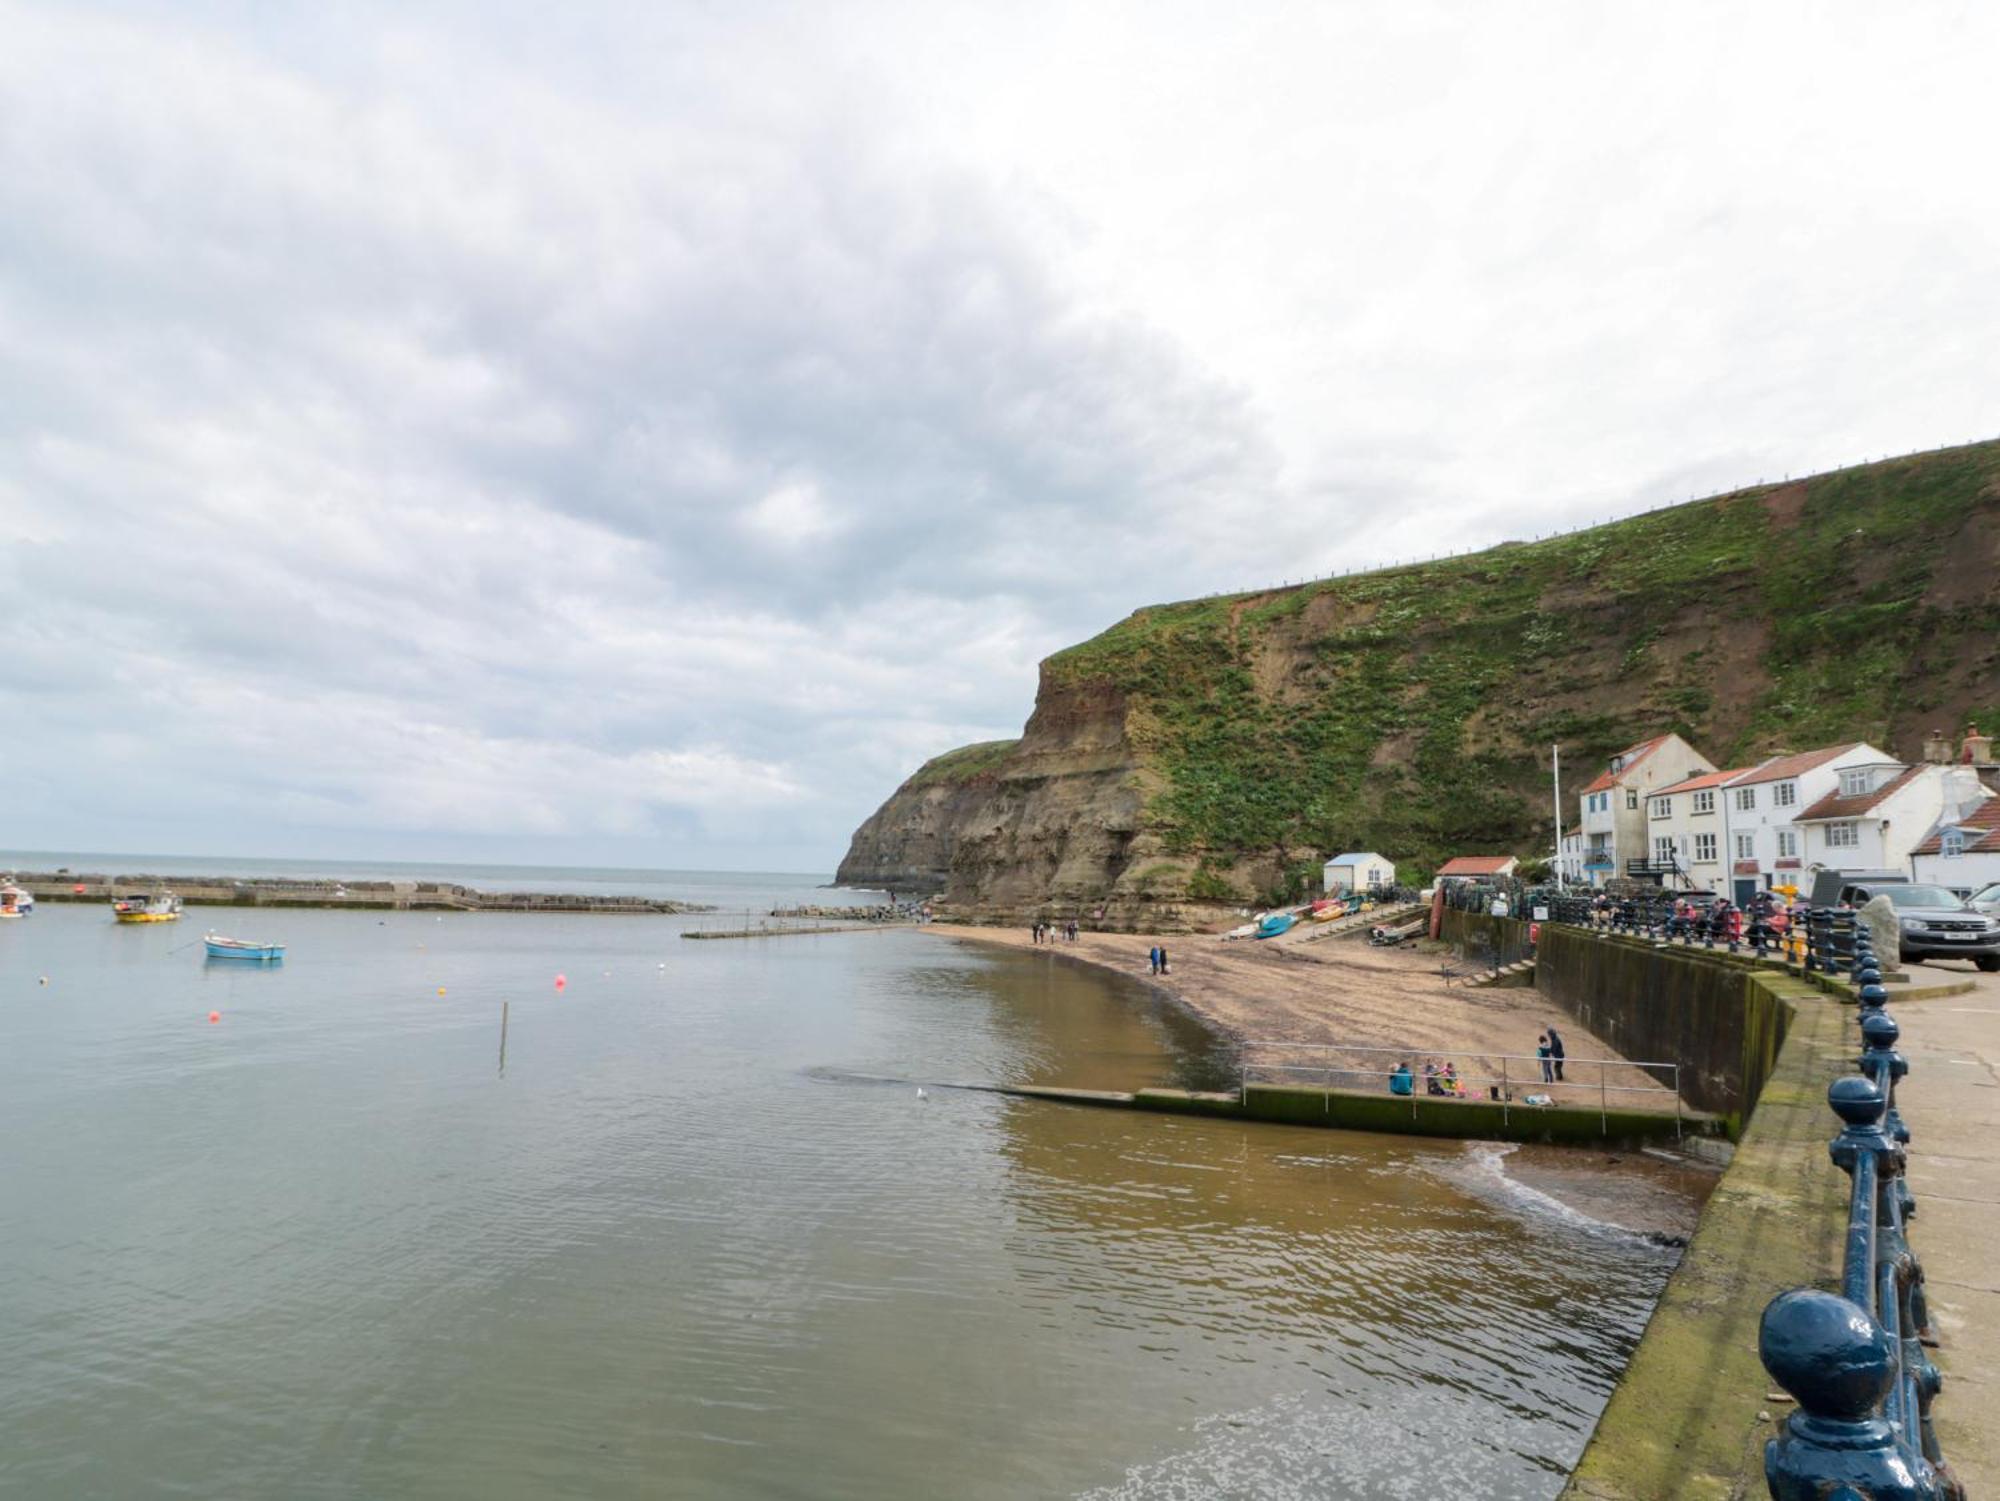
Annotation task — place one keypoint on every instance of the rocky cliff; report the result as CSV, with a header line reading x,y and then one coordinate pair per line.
x,y
1215,751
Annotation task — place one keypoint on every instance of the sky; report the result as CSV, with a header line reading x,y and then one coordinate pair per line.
x,y
641,434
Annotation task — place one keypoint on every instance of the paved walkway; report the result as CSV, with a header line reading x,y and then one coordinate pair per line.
x,y
1951,1102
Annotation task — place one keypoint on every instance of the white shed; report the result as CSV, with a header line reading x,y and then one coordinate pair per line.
x,y
1359,871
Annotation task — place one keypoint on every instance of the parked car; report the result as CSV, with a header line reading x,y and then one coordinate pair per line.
x,y
1988,901
1936,924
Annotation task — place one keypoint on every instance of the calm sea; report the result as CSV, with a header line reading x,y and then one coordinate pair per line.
x,y
701,1237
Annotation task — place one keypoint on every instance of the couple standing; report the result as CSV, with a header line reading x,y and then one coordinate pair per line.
x,y
1156,956
1550,1052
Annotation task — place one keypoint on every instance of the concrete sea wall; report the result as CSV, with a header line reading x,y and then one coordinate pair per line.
x,y
1405,1115
1707,1010
1690,1416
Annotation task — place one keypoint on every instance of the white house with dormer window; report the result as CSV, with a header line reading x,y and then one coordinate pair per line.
x,y
1963,852
1767,846
1880,813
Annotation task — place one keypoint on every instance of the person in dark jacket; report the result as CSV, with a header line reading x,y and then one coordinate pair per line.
x,y
1556,1052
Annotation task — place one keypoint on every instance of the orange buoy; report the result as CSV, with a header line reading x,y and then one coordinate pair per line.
x,y
440,990
215,1016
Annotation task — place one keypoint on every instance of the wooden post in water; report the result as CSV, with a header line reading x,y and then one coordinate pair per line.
x,y
503,1037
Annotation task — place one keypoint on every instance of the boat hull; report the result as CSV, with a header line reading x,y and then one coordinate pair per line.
x,y
255,953
147,916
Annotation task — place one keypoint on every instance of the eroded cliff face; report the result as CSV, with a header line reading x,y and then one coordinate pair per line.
x,y
1207,754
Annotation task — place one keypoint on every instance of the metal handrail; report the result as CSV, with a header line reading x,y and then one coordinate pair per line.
x,y
1854,1360
1503,1094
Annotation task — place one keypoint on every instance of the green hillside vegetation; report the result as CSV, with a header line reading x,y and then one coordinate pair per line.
x,y
1410,710
957,767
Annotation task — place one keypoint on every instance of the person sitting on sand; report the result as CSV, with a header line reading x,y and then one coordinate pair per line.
x,y
1431,1082
1401,1080
1450,1077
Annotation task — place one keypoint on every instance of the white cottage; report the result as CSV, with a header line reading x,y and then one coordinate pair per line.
x,y
1882,813
1963,851
1358,871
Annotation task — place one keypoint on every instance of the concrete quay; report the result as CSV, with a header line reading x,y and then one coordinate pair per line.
x,y
1951,1103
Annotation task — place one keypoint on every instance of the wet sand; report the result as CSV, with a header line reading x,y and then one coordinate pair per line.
x,y
1343,992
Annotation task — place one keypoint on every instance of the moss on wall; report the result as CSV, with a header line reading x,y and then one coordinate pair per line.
x,y
1689,1417
1700,1009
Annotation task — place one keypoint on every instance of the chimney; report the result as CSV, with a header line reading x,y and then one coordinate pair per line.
x,y
1978,749
1937,748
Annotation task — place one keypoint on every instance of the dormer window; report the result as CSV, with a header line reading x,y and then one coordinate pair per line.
x,y
1854,783
1951,844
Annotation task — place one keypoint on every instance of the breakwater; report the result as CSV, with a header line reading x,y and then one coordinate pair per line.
x,y
387,896
1408,1115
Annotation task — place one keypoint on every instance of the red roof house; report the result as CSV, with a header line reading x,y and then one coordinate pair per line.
x,y
1477,867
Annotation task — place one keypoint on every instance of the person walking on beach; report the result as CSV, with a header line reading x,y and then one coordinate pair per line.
x,y
1163,958
1153,959
1556,1052
1547,1060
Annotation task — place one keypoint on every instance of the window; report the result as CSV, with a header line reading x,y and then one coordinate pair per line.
x,y
1785,794
1704,847
1746,846
1631,797
1951,844
1704,802
1663,807
1788,844
1854,783
1663,849
1746,799
1842,836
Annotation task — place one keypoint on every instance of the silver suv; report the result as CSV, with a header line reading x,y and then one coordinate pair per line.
x,y
1935,923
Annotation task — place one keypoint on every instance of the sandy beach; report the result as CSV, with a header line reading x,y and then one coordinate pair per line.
x,y
1341,991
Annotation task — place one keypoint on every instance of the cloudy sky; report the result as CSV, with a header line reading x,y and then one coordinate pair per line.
x,y
642,433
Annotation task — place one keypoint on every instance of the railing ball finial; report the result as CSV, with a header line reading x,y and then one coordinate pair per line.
x,y
1839,1364
1874,995
1858,1103
1879,1032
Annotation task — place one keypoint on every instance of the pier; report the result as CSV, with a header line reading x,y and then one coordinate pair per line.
x,y
382,896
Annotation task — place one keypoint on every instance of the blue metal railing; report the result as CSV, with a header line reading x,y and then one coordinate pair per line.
x,y
1854,1360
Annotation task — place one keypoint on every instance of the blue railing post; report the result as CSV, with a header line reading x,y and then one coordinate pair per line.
x,y
1855,1360
1840,1365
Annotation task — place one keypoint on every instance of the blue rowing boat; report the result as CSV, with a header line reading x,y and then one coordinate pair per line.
x,y
1276,923
236,948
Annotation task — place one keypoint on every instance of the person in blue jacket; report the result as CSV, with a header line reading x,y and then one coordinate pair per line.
x,y
1401,1080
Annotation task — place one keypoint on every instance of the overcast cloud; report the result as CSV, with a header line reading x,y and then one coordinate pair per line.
x,y
642,434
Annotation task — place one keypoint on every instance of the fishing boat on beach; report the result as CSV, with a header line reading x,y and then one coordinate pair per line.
x,y
14,902
160,906
236,948
1271,925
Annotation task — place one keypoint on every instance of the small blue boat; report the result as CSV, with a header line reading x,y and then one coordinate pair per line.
x,y
236,948
1276,923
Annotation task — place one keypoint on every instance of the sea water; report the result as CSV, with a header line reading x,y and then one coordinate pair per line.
x,y
702,1236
